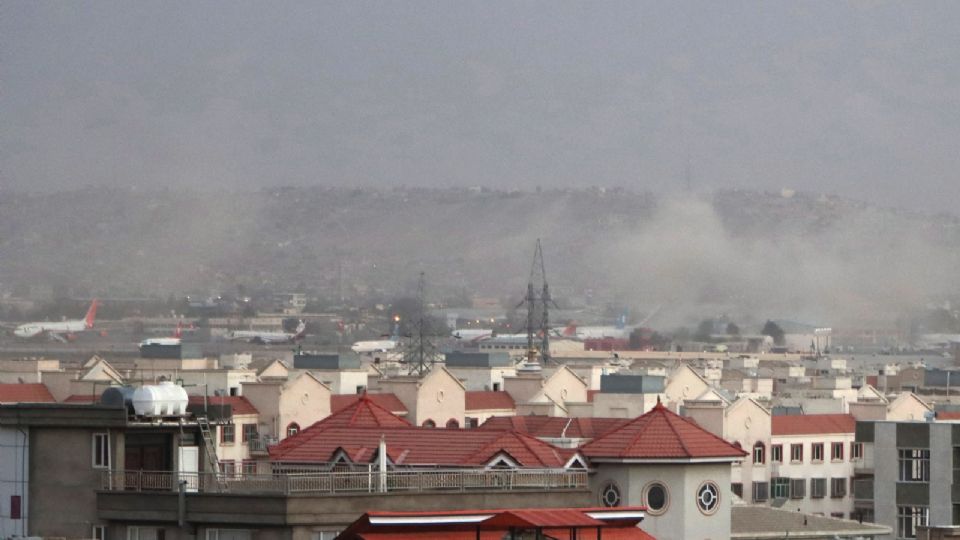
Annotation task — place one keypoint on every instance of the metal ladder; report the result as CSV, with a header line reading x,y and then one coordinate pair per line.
x,y
211,451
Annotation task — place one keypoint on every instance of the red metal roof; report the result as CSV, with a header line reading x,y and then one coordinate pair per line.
x,y
409,445
388,401
25,393
555,523
660,434
948,415
813,424
488,399
239,405
552,427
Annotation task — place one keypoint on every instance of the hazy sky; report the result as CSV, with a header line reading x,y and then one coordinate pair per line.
x,y
860,99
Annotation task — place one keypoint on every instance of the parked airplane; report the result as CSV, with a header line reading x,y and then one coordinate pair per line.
x,y
176,339
58,330
255,336
382,345
472,334
620,331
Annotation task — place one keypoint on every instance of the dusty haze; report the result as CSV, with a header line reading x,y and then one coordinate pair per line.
x,y
860,99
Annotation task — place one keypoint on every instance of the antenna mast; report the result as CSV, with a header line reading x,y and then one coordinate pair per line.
x,y
538,306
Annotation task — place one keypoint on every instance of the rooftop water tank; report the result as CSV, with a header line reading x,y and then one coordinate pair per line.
x,y
119,397
164,399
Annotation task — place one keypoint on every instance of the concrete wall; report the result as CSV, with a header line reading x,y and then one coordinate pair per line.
x,y
14,475
885,474
681,520
440,398
480,378
824,469
62,481
622,405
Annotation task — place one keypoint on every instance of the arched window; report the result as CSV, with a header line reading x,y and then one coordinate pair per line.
x,y
292,429
429,423
452,423
759,453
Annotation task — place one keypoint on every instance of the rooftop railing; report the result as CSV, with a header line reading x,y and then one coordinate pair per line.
x,y
335,482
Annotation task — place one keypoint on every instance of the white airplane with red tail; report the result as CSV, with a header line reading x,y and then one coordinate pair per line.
x,y
58,330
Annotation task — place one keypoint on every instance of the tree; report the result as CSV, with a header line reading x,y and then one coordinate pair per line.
x,y
773,330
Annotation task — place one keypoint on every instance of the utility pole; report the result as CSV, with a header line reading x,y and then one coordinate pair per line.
x,y
420,354
538,310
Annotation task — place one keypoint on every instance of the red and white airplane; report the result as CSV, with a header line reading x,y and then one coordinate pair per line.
x,y
58,330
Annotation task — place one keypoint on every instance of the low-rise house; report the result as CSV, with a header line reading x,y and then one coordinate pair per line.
x,y
287,405
25,370
435,400
483,404
236,431
481,371
343,373
389,402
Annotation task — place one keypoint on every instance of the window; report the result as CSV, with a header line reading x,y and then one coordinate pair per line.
x,y
292,429
657,498
914,465
610,495
760,491
797,488
708,498
145,533
228,467
249,432
228,534
836,451
249,466
776,453
452,423
816,451
781,487
429,423
227,433
856,450
796,453
909,518
101,451
837,515
99,532
737,489
324,535
838,488
758,453
16,507
818,488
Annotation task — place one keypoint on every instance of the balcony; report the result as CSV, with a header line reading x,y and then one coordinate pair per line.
x,y
260,446
332,483
863,489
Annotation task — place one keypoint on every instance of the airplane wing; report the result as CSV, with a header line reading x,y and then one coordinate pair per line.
x,y
57,337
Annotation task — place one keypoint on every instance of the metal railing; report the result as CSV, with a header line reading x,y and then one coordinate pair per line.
x,y
372,481
261,444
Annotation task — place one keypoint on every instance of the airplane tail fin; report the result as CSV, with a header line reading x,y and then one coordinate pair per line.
x,y
570,330
179,331
91,313
301,330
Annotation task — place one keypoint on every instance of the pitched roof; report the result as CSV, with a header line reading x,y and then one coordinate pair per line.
x,y
552,427
239,405
25,393
812,424
485,400
660,434
409,445
386,400
362,410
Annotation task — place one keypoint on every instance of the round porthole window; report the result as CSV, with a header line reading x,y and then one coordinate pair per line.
x,y
610,495
708,498
656,498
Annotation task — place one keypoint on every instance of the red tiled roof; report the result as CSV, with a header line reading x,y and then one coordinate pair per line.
x,y
409,445
81,398
812,424
239,405
660,434
25,393
948,415
609,533
873,380
552,427
362,411
388,401
486,399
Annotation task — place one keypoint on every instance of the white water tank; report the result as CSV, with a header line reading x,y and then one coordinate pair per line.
x,y
164,399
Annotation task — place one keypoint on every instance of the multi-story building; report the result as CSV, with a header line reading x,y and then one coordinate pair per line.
x,y
909,474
